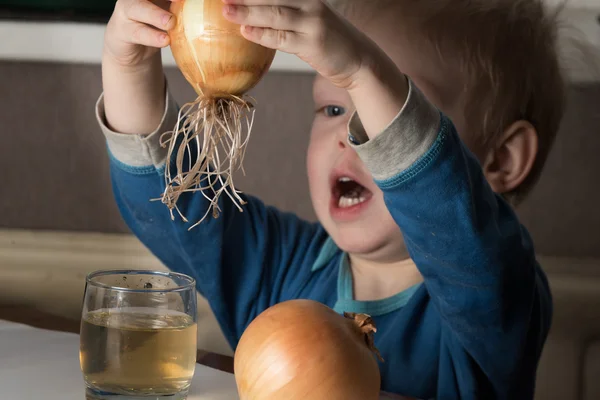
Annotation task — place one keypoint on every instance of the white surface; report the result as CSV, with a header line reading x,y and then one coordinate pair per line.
x,y
40,364
82,42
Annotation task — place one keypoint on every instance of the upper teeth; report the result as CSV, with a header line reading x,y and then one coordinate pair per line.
x,y
344,179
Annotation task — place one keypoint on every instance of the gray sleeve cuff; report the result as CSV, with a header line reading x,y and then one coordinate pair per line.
x,y
139,150
410,134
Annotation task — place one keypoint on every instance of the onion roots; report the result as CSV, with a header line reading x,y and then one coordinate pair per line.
x,y
221,65
213,133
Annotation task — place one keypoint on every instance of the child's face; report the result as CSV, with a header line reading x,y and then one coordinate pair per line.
x,y
346,200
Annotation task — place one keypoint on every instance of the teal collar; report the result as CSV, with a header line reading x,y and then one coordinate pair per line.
x,y
328,251
345,287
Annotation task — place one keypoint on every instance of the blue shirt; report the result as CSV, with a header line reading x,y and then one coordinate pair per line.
x,y
474,329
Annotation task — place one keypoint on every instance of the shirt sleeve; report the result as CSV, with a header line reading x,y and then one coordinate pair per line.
x,y
243,262
477,260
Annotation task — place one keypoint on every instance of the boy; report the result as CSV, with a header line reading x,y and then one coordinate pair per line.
x,y
412,226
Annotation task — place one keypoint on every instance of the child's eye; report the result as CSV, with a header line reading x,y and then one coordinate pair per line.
x,y
333,111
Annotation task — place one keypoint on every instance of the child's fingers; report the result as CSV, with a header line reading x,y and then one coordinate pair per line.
x,y
285,41
139,33
280,18
146,12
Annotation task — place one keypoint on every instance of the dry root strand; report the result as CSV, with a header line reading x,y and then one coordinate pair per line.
x,y
213,133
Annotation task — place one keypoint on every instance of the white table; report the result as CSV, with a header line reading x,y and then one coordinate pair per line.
x,y
42,364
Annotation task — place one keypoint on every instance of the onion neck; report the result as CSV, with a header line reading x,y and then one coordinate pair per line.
x,y
366,327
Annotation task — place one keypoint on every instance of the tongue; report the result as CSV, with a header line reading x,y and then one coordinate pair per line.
x,y
350,189
354,193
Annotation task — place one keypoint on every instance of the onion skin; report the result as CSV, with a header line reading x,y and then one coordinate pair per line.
x,y
211,53
303,350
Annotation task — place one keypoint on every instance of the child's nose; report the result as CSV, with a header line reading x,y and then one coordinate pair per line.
x,y
342,136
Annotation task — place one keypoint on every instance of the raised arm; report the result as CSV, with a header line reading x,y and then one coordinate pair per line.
x,y
242,261
132,73
477,260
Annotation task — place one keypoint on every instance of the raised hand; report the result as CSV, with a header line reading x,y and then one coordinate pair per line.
x,y
332,46
306,28
137,30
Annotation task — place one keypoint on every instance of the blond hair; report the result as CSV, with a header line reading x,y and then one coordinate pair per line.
x,y
506,53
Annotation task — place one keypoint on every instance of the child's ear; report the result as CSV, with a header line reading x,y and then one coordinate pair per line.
x,y
509,162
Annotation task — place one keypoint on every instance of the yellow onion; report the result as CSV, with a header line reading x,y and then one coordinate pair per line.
x,y
211,52
303,350
221,65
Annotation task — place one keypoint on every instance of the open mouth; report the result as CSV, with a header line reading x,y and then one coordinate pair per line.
x,y
348,193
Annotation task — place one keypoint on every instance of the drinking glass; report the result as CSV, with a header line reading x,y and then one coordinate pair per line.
x,y
138,335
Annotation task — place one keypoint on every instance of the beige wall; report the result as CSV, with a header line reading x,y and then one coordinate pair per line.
x,y
54,167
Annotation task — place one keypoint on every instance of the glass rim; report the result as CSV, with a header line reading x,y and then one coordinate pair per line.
x,y
190,284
